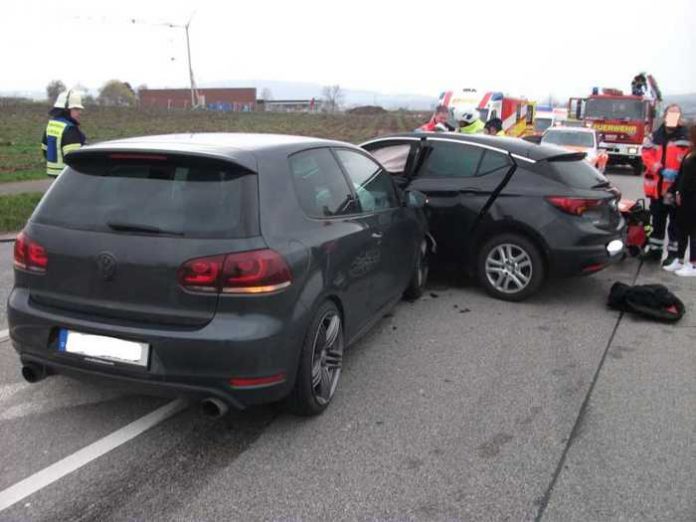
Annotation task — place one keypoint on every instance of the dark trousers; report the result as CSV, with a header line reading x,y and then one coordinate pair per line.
x,y
660,212
684,238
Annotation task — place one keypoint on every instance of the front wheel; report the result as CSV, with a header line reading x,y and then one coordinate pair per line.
x,y
419,278
510,267
638,167
320,363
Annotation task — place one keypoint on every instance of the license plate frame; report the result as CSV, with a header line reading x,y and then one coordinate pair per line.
x,y
103,349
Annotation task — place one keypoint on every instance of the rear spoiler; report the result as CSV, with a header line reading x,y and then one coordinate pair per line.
x,y
568,156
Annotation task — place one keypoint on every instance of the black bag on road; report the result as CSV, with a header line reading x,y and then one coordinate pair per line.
x,y
652,301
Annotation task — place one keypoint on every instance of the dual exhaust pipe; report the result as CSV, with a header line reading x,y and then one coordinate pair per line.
x,y
210,407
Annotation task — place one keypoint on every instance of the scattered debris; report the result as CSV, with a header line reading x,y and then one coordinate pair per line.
x,y
433,294
464,311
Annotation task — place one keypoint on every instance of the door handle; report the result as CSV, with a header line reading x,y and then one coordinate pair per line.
x,y
377,235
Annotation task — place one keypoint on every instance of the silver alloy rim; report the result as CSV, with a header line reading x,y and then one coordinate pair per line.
x,y
509,268
327,356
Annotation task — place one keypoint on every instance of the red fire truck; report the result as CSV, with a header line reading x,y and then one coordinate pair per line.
x,y
622,121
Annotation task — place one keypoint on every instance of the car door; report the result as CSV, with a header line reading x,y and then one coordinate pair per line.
x,y
397,235
461,180
397,156
340,236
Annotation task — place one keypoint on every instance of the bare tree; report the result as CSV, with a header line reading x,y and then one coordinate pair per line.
x,y
53,89
266,94
332,96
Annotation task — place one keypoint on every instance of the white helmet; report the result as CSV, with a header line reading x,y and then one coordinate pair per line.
x,y
466,113
69,100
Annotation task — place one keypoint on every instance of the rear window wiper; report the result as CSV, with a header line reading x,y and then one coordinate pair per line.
x,y
602,184
147,229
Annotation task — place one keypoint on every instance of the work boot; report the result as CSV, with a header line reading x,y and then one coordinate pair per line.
x,y
669,260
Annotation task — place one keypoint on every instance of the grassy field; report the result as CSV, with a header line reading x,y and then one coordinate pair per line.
x,y
15,209
21,127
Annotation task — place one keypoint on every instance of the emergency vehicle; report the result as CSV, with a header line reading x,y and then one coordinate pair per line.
x,y
622,120
517,114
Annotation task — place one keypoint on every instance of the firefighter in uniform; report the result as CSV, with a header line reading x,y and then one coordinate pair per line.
x,y
469,120
62,134
662,154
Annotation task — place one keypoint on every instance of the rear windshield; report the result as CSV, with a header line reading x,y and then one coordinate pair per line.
x,y
569,138
153,194
578,174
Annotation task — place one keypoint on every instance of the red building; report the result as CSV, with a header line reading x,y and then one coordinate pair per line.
x,y
241,99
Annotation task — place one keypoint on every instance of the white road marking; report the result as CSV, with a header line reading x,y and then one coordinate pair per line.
x,y
54,472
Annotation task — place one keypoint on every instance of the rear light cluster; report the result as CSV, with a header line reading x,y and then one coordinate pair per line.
x,y
254,272
29,255
574,206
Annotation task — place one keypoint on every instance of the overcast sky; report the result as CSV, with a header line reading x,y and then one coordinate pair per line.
x,y
531,48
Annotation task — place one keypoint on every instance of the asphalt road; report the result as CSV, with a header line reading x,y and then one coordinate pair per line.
x,y
455,407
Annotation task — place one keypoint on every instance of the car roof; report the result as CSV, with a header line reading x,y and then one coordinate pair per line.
x,y
573,129
238,147
515,146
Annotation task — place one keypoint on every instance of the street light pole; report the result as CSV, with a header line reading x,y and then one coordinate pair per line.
x,y
194,101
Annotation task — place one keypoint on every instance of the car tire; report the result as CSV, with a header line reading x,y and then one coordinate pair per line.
x,y
319,368
419,278
510,267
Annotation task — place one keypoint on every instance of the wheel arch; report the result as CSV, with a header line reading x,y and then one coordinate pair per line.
x,y
510,227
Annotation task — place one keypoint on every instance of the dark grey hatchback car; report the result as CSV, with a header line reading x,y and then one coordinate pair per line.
x,y
231,267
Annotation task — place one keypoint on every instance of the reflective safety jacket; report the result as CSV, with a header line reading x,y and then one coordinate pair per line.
x,y
662,156
473,128
62,135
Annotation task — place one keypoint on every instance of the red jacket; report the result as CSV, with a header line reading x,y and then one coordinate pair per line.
x,y
662,155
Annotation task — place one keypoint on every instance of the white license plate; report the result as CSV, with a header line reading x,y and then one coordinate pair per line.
x,y
105,348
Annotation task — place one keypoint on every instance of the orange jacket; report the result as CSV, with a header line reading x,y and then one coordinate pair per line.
x,y
662,155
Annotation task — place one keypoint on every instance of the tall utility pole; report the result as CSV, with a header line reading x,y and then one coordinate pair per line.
x,y
194,98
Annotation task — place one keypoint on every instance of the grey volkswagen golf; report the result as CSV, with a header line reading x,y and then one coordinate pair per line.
x,y
234,268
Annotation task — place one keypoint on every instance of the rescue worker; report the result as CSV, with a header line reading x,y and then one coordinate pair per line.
x,y
439,121
62,134
469,120
662,155
494,127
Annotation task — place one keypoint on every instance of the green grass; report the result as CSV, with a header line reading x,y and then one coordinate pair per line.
x,y
21,127
15,209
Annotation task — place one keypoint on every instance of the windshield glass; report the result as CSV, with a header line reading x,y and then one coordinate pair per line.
x,y
484,114
187,197
615,109
541,124
569,138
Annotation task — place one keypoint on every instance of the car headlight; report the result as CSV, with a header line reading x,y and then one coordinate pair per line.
x,y
633,150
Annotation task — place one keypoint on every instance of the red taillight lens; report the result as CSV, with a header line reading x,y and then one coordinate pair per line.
x,y
202,274
254,272
29,255
574,206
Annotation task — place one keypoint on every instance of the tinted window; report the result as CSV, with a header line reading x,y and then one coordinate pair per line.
x,y
450,160
188,197
321,188
492,162
374,188
577,174
393,157
569,138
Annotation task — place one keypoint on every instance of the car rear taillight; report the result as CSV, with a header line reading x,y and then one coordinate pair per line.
x,y
253,272
29,255
574,206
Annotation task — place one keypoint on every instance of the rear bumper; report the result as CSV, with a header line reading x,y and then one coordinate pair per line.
x,y
586,260
196,363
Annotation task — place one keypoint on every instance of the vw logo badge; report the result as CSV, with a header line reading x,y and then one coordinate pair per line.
x,y
106,263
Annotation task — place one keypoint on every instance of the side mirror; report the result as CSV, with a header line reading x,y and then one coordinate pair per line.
x,y
415,199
